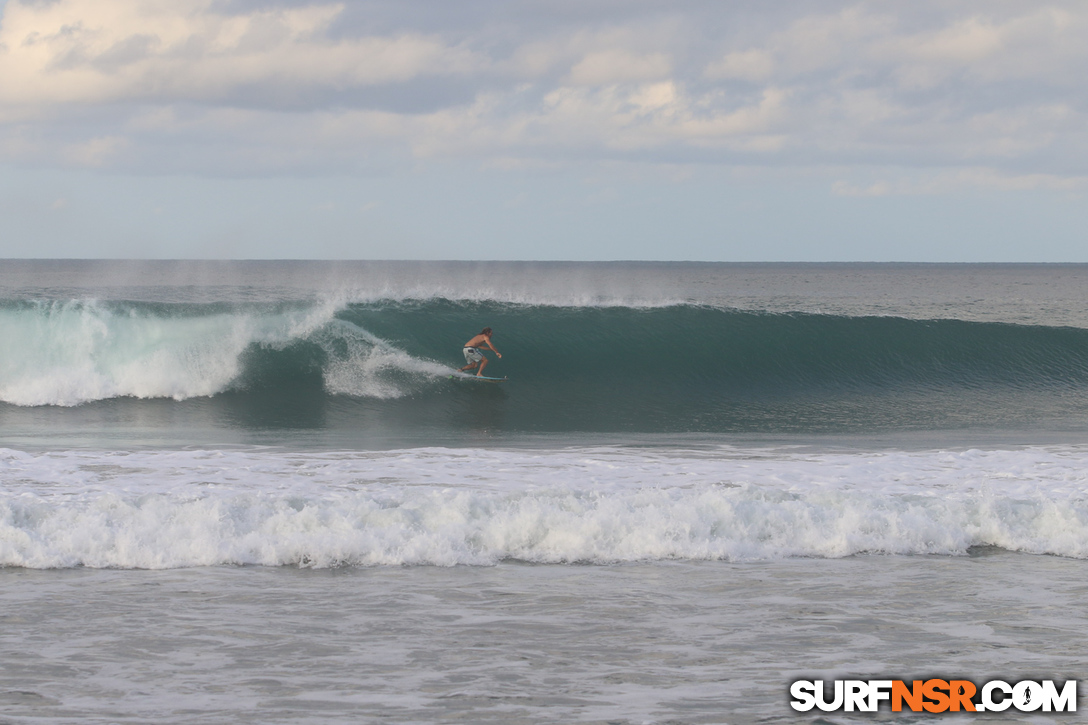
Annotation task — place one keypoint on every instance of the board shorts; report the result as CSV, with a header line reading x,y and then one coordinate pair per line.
x,y
472,355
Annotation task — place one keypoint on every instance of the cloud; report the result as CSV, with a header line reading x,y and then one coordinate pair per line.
x,y
619,66
203,86
944,182
749,65
100,51
94,152
1044,44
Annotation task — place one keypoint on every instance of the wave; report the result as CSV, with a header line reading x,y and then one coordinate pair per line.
x,y
69,353
672,369
478,507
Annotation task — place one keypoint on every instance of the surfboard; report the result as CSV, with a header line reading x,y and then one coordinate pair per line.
x,y
477,377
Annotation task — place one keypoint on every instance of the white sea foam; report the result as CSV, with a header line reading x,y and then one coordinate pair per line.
x,y
446,507
68,353
370,367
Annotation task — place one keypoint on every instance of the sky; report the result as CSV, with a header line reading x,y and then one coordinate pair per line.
x,y
717,130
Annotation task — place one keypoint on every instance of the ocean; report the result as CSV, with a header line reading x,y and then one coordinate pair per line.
x,y
260,492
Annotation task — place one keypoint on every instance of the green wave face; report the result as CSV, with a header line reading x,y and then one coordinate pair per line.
x,y
690,368
673,369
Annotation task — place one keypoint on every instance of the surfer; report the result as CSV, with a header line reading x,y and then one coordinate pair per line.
x,y
474,356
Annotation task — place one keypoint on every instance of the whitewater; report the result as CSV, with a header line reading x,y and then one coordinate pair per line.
x,y
580,505
252,492
77,351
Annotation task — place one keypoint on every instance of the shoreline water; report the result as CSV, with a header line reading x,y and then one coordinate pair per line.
x,y
687,642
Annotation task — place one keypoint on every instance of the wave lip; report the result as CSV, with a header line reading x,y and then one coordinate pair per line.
x,y
68,353
443,508
78,351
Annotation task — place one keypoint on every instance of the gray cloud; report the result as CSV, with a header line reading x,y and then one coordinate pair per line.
x,y
924,95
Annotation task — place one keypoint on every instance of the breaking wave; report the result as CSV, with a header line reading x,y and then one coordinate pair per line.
x,y
670,369
478,507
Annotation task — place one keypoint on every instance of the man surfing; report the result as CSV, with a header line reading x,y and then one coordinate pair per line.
x,y
473,355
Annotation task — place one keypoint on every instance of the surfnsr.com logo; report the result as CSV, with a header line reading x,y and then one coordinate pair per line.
x,y
934,696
